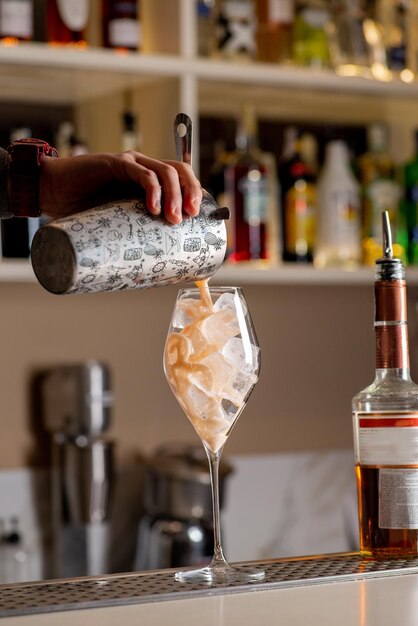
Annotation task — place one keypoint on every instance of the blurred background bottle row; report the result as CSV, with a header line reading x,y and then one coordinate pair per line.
x,y
313,195
374,38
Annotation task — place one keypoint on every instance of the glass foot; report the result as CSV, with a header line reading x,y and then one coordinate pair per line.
x,y
220,574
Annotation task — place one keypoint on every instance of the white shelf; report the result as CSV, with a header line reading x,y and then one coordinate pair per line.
x,y
16,271
20,271
64,75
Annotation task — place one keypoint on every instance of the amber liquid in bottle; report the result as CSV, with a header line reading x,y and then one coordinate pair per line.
x,y
274,30
66,22
385,418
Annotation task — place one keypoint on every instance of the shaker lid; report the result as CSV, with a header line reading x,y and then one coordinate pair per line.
x,y
185,462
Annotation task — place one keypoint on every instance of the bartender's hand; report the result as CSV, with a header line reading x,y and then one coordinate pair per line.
x,y
73,184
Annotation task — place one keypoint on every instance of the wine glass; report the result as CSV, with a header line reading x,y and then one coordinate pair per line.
x,y
212,362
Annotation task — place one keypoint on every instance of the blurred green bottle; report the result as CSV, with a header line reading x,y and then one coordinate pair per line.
x,y
380,192
310,39
410,203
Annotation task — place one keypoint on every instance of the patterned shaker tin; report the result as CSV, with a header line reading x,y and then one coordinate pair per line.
x,y
121,246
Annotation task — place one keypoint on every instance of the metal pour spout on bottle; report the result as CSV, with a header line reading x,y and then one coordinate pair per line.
x,y
388,267
119,245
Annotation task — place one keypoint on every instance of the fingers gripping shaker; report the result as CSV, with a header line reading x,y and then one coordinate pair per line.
x,y
121,246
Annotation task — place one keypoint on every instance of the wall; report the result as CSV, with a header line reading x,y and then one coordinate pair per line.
x,y
317,351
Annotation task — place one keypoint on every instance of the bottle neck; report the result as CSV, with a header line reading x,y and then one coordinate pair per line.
x,y
246,138
391,327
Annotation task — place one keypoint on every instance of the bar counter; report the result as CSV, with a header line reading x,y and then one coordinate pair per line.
x,y
340,589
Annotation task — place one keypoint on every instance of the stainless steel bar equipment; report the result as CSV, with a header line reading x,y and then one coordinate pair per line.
x,y
76,404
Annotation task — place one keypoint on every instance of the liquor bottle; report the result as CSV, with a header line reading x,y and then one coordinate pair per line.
x,y
66,22
350,51
205,26
310,40
16,20
385,421
297,181
121,24
339,225
17,232
274,30
15,565
253,195
392,17
410,203
234,29
380,192
131,137
412,38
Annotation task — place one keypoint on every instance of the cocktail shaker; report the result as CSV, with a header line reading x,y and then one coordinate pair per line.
x,y
121,246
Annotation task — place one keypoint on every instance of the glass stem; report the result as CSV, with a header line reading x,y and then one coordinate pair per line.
x,y
214,458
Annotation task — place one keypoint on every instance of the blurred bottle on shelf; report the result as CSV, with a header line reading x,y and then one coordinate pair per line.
x,y
412,40
297,179
274,30
66,22
310,41
67,141
205,26
392,17
17,232
16,21
216,178
355,41
121,24
410,203
339,229
131,136
252,196
380,192
14,559
308,146
234,29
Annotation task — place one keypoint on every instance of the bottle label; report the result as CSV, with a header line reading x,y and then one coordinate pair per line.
x,y
315,18
386,438
254,189
74,13
300,218
235,29
16,19
124,33
398,498
280,11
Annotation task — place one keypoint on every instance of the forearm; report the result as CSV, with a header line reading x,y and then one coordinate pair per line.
x,y
4,199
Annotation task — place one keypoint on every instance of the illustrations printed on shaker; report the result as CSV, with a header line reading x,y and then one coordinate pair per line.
x,y
114,235
171,242
132,254
192,244
102,222
136,273
202,256
159,267
123,246
77,226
